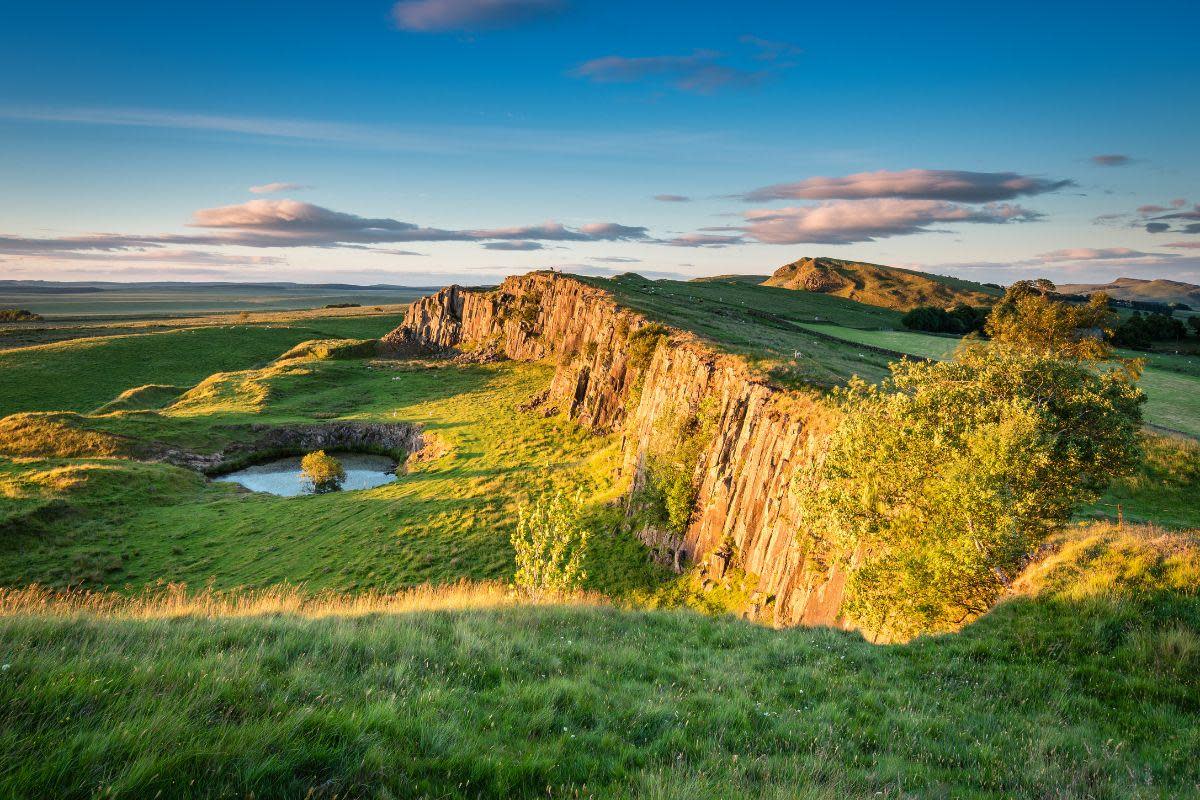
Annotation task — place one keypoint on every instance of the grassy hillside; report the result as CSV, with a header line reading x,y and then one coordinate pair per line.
x,y
1155,291
1085,687
82,374
759,322
878,285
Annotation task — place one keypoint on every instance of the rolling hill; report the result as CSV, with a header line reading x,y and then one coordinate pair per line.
x,y
878,285
1155,291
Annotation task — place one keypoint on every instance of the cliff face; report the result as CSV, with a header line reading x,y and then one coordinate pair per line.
x,y
761,434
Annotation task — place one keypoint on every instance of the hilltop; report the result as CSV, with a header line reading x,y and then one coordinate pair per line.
x,y
1159,290
879,285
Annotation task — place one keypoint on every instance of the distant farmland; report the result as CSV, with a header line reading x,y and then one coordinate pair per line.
x,y
1172,383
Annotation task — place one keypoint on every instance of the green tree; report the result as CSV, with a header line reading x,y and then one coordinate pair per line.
x,y
551,547
1029,317
939,484
323,471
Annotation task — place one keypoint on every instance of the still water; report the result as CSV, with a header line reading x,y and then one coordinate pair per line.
x,y
283,477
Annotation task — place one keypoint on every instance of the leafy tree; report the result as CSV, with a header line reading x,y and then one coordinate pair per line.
x,y
323,471
1194,323
1029,317
939,484
1141,330
551,547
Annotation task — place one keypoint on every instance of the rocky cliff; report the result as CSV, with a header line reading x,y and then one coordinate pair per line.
x,y
617,370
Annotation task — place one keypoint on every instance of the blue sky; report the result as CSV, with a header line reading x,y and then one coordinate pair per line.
x,y
434,140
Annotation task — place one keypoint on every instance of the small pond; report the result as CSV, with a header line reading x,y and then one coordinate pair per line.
x,y
282,476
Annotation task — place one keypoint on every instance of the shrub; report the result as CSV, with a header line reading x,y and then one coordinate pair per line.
x,y
323,471
18,315
668,492
551,547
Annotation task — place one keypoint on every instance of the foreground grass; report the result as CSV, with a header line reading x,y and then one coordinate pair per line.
x,y
1086,688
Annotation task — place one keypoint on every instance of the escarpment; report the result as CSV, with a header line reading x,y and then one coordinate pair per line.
x,y
618,371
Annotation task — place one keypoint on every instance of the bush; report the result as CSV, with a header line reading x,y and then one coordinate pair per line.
x,y
323,471
18,315
550,546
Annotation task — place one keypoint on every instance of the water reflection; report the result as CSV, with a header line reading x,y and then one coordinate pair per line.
x,y
283,477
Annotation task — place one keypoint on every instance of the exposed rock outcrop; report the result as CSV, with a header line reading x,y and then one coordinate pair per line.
x,y
395,439
615,372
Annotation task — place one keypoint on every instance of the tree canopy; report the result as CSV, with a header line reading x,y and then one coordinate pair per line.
x,y
940,483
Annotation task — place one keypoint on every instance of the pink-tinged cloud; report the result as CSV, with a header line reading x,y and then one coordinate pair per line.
x,y
705,240
1184,245
672,198
1111,160
701,72
1095,254
848,222
436,16
517,244
277,187
291,223
913,184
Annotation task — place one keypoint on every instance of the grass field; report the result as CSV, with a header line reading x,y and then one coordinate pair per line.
x,y
141,300
447,518
1171,383
759,322
1087,687
82,374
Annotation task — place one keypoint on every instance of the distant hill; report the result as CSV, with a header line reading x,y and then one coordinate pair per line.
x,y
754,280
878,285
1155,291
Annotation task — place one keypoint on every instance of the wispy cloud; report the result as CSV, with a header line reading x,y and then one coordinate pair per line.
x,y
705,240
429,139
279,186
913,184
518,244
439,16
770,50
672,198
701,72
1112,160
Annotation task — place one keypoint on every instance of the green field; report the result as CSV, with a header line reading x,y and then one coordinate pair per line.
x,y
445,519
142,300
1171,383
82,374
760,323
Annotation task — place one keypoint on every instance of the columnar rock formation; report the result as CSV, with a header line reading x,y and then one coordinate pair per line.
x,y
762,434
